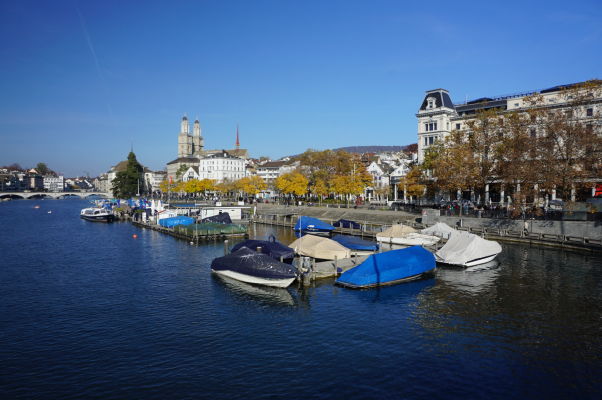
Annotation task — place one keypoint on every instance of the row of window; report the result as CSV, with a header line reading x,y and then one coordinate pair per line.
x,y
431,126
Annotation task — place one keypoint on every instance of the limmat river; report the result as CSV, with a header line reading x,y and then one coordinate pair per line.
x,y
88,311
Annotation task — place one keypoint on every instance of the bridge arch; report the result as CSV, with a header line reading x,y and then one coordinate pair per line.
x,y
68,194
12,196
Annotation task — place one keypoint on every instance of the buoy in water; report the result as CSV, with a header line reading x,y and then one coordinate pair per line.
x,y
50,212
36,206
134,236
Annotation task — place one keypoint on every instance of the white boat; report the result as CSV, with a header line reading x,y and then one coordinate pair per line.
x,y
96,214
440,229
467,250
406,236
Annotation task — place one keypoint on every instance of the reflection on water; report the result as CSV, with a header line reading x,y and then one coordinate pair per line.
x,y
475,279
261,294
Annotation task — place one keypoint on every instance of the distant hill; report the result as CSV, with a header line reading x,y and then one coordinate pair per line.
x,y
375,149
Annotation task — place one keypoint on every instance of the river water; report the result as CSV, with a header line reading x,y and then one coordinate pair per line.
x,y
88,311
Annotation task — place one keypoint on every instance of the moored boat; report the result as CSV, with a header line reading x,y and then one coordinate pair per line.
x,y
356,245
467,250
97,214
310,224
389,268
250,266
320,248
272,248
405,236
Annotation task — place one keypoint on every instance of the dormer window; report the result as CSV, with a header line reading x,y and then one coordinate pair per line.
x,y
430,103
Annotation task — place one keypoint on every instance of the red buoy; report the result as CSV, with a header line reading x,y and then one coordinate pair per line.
x,y
134,236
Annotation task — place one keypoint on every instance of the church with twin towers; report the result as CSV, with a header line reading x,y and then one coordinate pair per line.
x,y
192,154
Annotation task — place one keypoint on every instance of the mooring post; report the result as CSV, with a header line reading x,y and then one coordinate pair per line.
x,y
226,247
259,249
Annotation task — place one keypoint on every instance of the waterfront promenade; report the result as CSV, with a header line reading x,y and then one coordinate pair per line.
x,y
585,235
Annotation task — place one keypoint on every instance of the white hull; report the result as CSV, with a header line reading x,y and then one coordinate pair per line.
x,y
472,263
281,283
412,239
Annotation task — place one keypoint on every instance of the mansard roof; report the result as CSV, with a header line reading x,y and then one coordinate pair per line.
x,y
441,96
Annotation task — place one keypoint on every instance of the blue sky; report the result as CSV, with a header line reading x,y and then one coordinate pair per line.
x,y
81,81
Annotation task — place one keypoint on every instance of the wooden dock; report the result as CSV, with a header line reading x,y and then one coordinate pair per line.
x,y
192,238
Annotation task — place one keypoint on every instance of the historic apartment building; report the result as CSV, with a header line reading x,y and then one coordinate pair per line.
x,y
438,115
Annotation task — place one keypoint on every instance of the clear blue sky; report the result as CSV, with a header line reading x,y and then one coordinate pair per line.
x,y
82,80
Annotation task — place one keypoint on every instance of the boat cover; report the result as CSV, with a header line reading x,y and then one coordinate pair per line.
x,y
221,218
320,247
312,224
388,267
273,249
173,221
463,247
440,229
355,243
248,262
345,223
396,231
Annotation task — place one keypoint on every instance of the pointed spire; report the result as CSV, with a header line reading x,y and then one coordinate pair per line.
x,y
237,141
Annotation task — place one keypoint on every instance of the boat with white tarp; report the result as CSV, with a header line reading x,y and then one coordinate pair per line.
x,y
406,236
467,250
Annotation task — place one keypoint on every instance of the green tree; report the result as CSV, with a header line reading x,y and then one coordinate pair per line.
x,y
126,183
43,169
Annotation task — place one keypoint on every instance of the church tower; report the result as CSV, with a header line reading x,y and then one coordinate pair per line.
x,y
184,142
197,139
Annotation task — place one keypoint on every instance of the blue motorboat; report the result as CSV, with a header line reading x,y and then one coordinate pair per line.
x,y
355,243
389,268
309,224
271,247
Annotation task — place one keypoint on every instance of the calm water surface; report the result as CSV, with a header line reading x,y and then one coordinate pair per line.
x,y
87,311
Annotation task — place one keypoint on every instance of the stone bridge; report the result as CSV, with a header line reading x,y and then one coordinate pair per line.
x,y
51,195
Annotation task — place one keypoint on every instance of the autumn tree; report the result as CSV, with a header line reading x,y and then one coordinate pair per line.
x,y
292,183
569,141
252,185
319,189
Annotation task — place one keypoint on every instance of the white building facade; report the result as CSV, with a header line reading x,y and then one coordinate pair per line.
x,y
221,167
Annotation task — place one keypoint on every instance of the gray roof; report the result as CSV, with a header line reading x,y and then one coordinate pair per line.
x,y
184,160
441,96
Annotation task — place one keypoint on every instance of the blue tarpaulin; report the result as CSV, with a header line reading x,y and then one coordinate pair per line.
x,y
310,224
388,268
355,243
345,223
173,221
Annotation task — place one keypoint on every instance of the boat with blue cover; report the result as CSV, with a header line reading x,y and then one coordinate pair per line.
x,y
270,247
345,223
310,224
389,268
250,266
356,244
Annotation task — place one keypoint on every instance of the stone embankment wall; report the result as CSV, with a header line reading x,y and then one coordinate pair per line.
x,y
333,213
584,229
